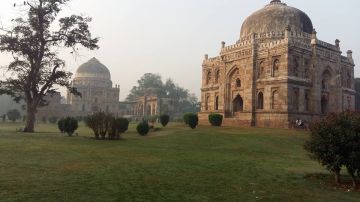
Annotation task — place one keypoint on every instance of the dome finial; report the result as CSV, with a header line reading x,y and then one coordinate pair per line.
x,y
275,1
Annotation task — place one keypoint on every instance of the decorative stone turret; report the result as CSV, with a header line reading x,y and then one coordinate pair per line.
x,y
349,56
337,44
206,56
314,37
223,44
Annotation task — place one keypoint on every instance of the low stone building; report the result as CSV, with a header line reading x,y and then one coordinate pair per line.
x,y
277,72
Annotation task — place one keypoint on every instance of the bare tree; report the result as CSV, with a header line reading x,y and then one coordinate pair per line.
x,y
36,69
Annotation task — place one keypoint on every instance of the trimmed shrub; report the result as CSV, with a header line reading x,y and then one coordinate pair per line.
x,y
186,118
164,120
118,126
143,128
61,125
100,123
193,120
53,119
13,115
70,125
215,119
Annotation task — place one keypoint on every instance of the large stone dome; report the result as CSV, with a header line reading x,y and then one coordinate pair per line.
x,y
275,17
93,69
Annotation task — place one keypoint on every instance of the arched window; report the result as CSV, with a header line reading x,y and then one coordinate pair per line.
x,y
208,77
275,100
307,69
238,83
307,101
238,104
324,104
275,70
148,110
296,99
217,76
296,67
207,100
326,80
260,101
349,103
348,80
217,103
261,70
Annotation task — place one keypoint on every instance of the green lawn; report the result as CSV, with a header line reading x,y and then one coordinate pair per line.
x,y
173,164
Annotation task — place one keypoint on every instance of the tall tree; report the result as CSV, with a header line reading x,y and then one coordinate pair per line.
x,y
146,82
33,41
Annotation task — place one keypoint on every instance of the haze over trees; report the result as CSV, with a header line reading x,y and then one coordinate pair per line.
x,y
34,40
184,101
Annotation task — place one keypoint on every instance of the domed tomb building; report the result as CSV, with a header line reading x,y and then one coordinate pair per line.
x,y
93,81
277,72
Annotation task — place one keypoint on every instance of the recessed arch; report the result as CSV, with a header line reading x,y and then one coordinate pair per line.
x,y
238,104
260,100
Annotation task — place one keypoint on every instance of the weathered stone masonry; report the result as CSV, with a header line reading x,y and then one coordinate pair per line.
x,y
278,72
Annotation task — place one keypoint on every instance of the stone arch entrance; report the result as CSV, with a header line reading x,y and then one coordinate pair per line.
x,y
324,104
327,88
238,104
233,100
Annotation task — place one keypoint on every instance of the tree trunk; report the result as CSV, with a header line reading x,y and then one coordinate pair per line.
x,y
337,177
353,178
30,119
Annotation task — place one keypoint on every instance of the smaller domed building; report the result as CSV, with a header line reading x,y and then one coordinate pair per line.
x,y
277,72
98,94
93,81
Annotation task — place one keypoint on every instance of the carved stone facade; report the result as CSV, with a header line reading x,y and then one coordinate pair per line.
x,y
93,81
147,106
278,72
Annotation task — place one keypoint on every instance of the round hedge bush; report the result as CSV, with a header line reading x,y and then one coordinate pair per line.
x,y
186,118
70,125
164,119
216,119
61,125
143,128
193,120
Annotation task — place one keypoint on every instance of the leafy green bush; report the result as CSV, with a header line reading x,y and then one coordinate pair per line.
x,y
164,119
143,128
215,119
335,142
193,120
70,125
118,126
100,123
61,125
53,120
186,118
13,115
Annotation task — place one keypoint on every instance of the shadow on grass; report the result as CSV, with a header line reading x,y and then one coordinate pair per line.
x,y
328,181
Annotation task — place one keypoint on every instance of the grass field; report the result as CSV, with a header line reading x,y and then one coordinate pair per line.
x,y
173,164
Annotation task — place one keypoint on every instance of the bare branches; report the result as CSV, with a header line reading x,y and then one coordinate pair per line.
x,y
36,65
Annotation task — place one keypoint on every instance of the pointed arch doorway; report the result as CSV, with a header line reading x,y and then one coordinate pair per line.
x,y
237,105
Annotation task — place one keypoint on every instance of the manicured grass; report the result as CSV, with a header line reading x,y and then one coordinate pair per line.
x,y
173,164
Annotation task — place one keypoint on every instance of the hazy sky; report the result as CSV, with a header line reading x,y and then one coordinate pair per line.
x,y
170,37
